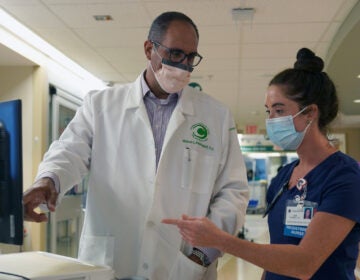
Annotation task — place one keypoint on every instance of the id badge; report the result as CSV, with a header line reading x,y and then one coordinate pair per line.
x,y
298,217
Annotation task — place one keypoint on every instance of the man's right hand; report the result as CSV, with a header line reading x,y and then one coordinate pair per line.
x,y
41,192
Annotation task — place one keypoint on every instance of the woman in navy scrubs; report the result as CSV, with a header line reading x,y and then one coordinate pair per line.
x,y
301,102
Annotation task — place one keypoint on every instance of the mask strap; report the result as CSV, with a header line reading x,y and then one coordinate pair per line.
x,y
151,66
156,51
298,113
308,125
306,128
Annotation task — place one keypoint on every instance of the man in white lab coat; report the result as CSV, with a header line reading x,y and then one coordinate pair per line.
x,y
153,148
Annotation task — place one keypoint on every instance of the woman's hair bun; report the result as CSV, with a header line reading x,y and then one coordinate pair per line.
x,y
307,60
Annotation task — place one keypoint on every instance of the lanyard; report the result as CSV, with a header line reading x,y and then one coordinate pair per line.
x,y
276,197
300,185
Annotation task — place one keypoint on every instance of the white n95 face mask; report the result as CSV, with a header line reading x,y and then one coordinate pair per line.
x,y
171,78
282,132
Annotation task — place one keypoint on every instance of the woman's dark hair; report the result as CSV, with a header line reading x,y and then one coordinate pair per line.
x,y
160,25
307,84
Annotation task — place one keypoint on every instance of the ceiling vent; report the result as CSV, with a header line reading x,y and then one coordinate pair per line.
x,y
103,17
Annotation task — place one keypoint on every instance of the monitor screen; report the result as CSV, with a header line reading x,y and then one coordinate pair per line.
x,y
11,177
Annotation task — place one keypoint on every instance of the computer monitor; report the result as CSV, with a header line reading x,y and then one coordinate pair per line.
x,y
11,177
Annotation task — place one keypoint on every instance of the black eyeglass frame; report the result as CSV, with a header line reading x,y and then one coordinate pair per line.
x,y
171,51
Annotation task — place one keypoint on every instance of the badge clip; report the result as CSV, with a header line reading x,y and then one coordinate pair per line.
x,y
301,183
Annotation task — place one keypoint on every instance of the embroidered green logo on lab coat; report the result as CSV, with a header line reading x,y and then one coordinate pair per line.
x,y
200,132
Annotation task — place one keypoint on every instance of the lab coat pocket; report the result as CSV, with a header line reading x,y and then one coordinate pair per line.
x,y
198,173
98,250
185,268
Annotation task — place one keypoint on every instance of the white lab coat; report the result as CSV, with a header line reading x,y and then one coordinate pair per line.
x,y
111,137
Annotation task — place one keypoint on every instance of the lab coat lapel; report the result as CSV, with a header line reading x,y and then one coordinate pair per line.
x,y
184,107
136,101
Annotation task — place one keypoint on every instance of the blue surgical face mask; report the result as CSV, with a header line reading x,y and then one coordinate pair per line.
x,y
282,132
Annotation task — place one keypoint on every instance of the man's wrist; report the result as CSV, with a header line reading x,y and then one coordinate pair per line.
x,y
51,176
195,258
199,257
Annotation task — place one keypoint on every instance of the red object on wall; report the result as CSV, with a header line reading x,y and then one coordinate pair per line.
x,y
251,129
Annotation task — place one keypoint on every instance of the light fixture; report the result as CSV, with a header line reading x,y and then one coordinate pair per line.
x,y
242,14
21,39
357,101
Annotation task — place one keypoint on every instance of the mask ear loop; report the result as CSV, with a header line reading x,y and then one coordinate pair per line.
x,y
308,122
298,113
151,66
157,53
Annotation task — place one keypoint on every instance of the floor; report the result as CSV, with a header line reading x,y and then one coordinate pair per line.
x,y
231,268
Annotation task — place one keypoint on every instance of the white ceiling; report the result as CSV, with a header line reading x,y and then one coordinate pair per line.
x,y
240,56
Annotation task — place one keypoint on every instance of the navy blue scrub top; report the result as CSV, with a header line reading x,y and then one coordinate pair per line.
x,y
335,185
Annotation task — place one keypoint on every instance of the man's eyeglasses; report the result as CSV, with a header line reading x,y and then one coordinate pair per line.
x,y
177,55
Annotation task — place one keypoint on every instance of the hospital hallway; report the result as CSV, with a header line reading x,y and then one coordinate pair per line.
x,y
231,268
